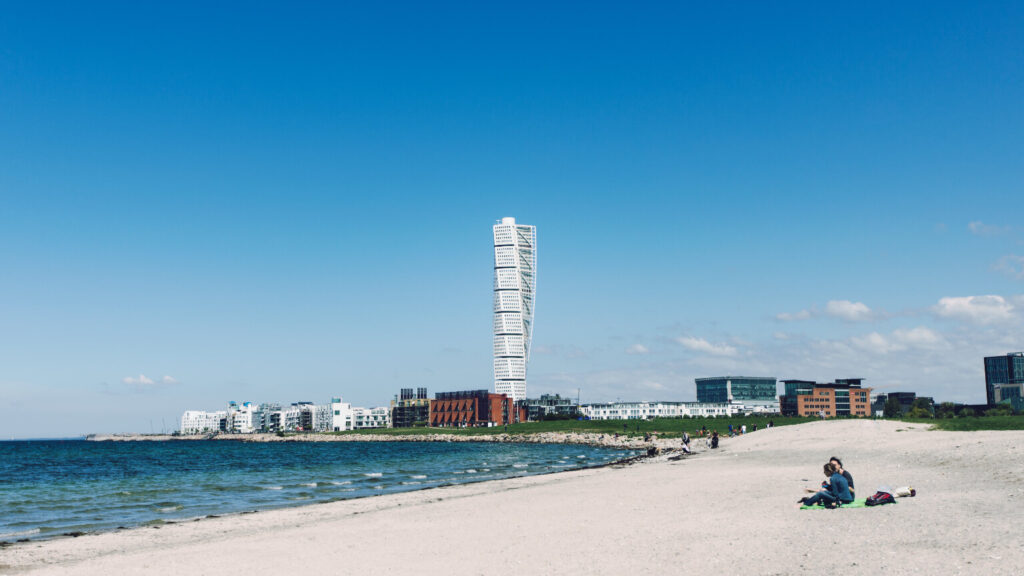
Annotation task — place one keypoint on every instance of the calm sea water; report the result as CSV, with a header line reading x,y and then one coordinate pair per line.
x,y
52,487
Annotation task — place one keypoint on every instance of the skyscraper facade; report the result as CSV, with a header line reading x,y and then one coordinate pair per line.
x,y
515,284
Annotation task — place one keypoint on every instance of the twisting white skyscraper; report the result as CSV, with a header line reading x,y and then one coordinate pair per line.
x,y
515,283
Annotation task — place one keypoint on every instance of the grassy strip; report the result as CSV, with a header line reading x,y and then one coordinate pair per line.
x,y
972,423
665,427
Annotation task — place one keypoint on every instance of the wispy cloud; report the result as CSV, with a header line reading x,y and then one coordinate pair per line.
x,y
847,310
979,228
637,349
900,340
702,345
790,317
988,309
1011,265
143,382
842,309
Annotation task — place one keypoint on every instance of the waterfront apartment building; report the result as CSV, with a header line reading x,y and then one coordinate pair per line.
x,y
748,390
1008,369
844,397
474,408
341,415
364,418
547,405
407,409
201,422
245,418
515,285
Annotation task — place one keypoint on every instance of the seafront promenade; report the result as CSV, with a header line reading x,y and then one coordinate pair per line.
x,y
730,510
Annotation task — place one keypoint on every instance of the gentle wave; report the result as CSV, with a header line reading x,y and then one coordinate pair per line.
x,y
21,534
99,487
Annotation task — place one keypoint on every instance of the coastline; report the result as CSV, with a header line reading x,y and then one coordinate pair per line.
x,y
578,438
731,510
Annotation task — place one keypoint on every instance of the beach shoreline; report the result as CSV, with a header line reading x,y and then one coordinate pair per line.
x,y
730,510
632,442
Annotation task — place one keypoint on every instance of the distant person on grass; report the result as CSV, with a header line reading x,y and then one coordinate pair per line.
x,y
838,491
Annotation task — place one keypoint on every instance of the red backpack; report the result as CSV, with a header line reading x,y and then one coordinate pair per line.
x,y
880,498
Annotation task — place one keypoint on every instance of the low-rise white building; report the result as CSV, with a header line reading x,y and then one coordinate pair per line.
x,y
648,410
201,422
341,415
363,418
246,418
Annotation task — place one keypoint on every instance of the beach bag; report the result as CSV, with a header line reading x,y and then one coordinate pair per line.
x,y
880,498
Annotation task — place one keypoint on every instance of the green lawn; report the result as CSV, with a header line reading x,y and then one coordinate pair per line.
x,y
971,423
665,427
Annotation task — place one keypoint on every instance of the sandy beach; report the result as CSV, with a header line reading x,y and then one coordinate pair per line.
x,y
732,510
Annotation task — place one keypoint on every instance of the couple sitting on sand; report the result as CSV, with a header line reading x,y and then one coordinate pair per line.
x,y
837,490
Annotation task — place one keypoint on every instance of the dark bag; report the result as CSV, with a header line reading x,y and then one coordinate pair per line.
x,y
880,498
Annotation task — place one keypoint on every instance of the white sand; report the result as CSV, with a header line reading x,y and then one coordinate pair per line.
x,y
729,511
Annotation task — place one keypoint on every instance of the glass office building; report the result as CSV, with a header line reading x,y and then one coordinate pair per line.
x,y
736,389
1008,369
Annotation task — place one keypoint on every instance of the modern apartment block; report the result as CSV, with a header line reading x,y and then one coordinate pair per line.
x,y
474,408
200,422
1008,369
843,397
408,409
515,284
250,418
549,405
747,390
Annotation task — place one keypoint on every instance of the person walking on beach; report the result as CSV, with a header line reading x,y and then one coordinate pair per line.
x,y
714,439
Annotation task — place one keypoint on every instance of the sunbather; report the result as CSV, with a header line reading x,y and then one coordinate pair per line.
x,y
838,490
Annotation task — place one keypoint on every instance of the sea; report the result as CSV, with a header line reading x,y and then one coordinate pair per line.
x,y
50,488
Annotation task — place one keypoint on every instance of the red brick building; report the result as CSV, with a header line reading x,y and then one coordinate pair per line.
x,y
474,408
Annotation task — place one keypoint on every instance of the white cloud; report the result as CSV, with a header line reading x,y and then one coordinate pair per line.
x,y
979,228
1011,265
702,345
637,349
846,310
987,309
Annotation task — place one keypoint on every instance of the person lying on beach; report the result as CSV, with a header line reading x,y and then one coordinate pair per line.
x,y
838,490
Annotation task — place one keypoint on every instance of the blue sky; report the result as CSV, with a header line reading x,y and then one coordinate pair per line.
x,y
287,202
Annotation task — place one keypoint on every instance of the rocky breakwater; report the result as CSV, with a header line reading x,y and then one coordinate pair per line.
x,y
589,439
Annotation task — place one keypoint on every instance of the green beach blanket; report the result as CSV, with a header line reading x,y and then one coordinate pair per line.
x,y
858,503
